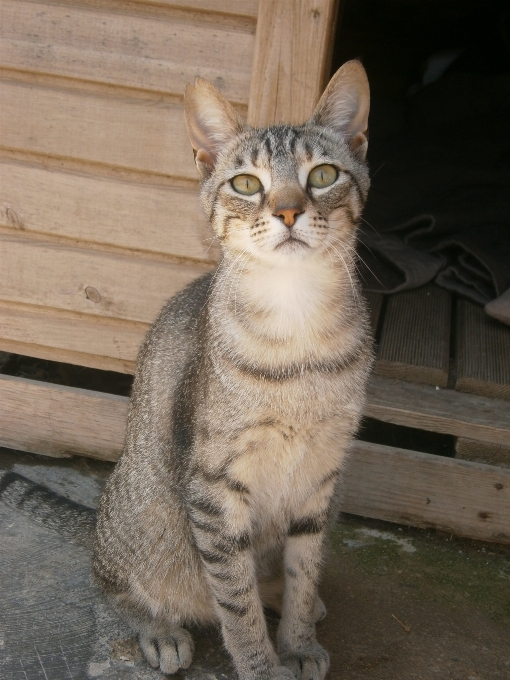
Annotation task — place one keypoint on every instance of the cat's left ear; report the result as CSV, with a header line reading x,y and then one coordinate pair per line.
x,y
345,105
211,121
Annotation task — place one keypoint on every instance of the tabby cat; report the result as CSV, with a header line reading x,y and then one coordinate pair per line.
x,y
248,389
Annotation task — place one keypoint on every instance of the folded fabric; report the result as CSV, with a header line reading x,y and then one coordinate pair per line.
x,y
500,308
439,206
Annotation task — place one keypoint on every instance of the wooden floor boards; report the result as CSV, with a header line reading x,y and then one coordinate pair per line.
x,y
483,353
415,339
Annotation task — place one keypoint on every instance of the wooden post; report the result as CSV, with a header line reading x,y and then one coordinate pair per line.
x,y
292,60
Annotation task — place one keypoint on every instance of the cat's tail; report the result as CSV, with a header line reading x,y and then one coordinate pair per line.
x,y
44,506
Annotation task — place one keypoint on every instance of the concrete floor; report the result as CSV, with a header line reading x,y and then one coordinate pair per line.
x,y
403,604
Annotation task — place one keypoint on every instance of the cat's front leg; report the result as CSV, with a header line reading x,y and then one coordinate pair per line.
x,y
297,645
223,538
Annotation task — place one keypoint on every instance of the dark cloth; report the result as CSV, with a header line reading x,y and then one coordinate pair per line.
x,y
439,205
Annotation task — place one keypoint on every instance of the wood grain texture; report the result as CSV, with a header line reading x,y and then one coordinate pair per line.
x,y
105,210
96,342
423,490
246,8
415,338
447,411
292,59
148,52
483,353
44,273
382,482
127,132
60,421
482,452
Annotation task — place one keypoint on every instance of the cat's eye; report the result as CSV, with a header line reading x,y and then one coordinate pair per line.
x,y
246,184
322,176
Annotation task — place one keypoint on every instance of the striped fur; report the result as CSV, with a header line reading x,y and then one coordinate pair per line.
x,y
248,389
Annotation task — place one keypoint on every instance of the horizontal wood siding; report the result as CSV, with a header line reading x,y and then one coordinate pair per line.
x,y
93,341
103,128
100,221
148,52
104,210
89,281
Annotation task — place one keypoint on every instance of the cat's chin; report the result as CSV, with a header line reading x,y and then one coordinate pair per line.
x,y
292,245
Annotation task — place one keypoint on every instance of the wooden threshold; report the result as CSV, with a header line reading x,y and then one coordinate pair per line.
x,y
437,410
423,490
468,499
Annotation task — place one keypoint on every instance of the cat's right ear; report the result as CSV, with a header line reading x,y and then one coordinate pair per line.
x,y
211,121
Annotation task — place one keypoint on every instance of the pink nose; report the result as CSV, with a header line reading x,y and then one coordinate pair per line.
x,y
288,215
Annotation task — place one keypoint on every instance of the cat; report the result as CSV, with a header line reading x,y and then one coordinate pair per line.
x,y
248,389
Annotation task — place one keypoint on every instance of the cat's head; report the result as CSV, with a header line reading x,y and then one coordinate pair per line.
x,y
284,192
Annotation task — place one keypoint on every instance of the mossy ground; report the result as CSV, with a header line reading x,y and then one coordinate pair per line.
x,y
409,604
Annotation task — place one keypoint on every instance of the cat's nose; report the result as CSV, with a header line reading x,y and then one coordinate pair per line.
x,y
288,215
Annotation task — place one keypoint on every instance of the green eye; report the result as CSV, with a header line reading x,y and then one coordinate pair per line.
x,y
322,176
246,184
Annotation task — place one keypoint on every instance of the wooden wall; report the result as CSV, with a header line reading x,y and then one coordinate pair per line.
x,y
99,217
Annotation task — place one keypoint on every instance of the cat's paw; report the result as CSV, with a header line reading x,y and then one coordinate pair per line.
x,y
311,663
169,652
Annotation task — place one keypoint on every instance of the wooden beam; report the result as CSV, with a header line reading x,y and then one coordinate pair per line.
x,y
482,452
59,421
446,411
292,60
382,482
423,490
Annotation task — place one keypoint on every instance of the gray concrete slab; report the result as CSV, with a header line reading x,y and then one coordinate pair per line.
x,y
403,604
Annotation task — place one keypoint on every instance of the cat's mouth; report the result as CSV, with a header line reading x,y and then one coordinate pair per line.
x,y
291,242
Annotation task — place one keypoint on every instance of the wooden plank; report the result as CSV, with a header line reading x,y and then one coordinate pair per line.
x,y
415,339
374,301
105,210
482,452
48,274
483,353
292,59
54,420
96,342
423,490
446,411
125,132
383,482
160,53
246,8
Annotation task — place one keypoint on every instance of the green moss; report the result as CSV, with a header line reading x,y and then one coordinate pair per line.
x,y
441,567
